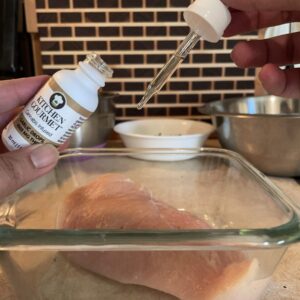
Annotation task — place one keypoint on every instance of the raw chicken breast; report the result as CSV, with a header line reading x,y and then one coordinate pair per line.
x,y
115,202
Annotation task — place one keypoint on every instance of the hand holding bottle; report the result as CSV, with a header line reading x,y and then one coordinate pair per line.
x,y
22,166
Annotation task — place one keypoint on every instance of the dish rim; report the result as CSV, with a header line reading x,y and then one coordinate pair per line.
x,y
209,109
210,128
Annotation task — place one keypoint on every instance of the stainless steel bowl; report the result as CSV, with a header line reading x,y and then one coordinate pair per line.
x,y
265,130
95,131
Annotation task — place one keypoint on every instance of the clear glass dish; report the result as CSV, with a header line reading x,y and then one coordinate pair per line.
x,y
244,210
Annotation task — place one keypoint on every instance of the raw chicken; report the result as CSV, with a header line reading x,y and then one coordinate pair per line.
x,y
115,202
6,290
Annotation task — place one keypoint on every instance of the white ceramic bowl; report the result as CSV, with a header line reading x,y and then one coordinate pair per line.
x,y
164,133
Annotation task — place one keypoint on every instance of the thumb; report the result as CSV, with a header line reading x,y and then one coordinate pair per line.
x,y
284,83
22,166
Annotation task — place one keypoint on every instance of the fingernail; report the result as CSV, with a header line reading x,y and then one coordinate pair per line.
x,y
44,155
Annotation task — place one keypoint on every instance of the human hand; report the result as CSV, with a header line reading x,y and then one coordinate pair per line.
x,y
22,166
249,15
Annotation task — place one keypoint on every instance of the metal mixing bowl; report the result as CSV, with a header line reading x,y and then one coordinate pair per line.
x,y
95,131
265,130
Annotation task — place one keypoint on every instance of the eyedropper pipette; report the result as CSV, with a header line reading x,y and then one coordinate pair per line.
x,y
170,67
207,19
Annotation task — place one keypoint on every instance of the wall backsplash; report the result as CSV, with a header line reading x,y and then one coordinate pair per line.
x,y
136,37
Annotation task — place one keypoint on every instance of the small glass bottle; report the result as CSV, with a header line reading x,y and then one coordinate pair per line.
x,y
67,99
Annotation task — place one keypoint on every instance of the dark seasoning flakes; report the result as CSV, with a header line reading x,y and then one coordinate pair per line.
x,y
136,37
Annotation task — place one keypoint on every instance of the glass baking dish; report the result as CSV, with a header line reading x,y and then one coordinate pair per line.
x,y
246,216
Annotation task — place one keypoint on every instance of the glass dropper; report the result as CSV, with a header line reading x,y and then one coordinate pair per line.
x,y
170,67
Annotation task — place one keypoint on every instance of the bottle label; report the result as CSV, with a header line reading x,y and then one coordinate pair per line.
x,y
51,116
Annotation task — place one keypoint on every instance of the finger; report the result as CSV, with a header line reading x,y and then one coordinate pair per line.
x,y
279,82
4,120
281,50
248,5
242,22
22,166
17,92
6,117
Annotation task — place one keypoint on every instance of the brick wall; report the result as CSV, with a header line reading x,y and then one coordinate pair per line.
x,y
136,37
